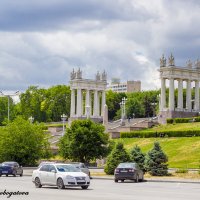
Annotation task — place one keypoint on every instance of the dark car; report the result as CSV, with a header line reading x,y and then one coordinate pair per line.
x,y
128,171
11,168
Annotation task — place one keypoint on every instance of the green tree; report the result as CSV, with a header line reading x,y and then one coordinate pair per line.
x,y
156,161
138,157
85,140
113,100
117,155
23,142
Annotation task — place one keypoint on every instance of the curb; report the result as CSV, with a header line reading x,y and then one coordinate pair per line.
x,y
153,180
145,180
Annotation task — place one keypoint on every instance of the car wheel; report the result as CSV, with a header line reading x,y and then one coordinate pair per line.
x,y
14,173
0,175
6,174
37,183
84,187
142,179
60,183
122,180
116,181
137,178
21,174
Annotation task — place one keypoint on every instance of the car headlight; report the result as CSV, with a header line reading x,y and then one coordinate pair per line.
x,y
69,177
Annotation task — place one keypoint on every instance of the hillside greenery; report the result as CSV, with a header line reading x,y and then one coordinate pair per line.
x,y
182,152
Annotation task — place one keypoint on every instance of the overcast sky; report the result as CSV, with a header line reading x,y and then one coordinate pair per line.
x,y
41,41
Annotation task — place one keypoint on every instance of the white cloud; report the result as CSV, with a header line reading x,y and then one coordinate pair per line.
x,y
41,42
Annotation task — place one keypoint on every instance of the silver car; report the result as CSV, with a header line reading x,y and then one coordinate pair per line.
x,y
60,175
82,167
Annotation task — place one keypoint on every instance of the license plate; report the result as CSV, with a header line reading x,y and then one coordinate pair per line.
x,y
4,172
123,171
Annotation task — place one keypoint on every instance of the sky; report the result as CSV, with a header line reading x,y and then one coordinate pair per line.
x,y
41,41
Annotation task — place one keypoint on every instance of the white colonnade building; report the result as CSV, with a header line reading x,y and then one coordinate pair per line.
x,y
88,97
188,76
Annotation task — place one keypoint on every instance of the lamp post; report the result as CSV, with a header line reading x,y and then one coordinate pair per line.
x,y
31,119
9,96
124,106
63,117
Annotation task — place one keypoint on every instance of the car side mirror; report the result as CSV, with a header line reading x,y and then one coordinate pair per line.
x,y
53,171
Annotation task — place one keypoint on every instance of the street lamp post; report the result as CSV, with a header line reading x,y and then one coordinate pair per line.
x,y
123,109
31,119
9,96
63,117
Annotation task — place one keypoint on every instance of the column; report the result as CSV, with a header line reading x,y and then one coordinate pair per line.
x,y
96,104
188,96
180,95
72,109
163,94
79,103
171,94
88,101
196,102
103,102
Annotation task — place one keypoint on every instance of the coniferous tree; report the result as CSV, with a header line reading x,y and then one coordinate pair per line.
x,y
156,161
138,157
118,155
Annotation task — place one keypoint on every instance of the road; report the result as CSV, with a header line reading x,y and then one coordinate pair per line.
x,y
101,189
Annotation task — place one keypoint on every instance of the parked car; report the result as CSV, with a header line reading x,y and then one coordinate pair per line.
x,y
82,167
11,168
128,171
60,175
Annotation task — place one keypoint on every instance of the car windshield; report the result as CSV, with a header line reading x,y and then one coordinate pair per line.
x,y
126,165
7,164
67,168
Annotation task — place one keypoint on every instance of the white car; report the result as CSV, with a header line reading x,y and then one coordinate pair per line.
x,y
60,175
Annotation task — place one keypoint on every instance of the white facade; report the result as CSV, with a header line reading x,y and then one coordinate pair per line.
x,y
88,96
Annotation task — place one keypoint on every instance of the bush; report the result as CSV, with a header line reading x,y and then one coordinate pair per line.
x,y
170,121
156,160
181,171
182,120
117,156
151,134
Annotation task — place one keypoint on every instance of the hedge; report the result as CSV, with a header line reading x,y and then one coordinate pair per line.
x,y
150,134
183,120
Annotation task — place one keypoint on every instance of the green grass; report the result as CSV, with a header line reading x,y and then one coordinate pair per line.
x,y
176,127
182,152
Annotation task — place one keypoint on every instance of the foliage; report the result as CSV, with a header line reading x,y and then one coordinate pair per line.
x,y
83,141
181,171
117,156
170,121
155,162
45,105
23,142
113,100
149,134
138,157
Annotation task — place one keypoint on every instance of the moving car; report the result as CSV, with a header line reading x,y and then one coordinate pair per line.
x,y
11,168
60,175
82,167
128,171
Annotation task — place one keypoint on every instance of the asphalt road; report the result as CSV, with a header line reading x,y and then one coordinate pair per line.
x,y
100,190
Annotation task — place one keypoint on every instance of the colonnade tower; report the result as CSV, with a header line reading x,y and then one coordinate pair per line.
x,y
188,76
88,97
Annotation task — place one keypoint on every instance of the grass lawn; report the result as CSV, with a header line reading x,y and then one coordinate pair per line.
x,y
176,127
182,152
